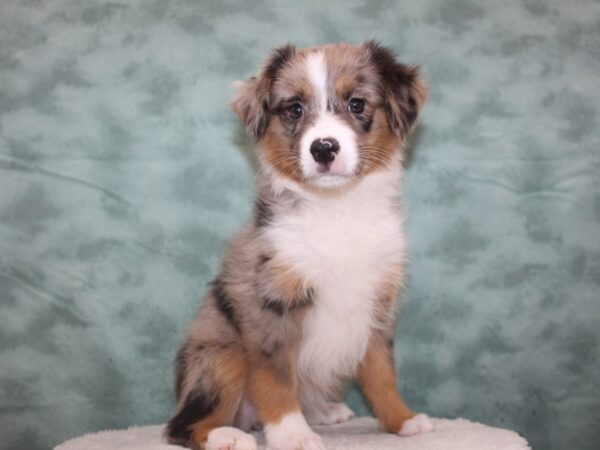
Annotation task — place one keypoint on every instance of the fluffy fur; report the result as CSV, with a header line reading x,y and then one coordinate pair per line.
x,y
305,299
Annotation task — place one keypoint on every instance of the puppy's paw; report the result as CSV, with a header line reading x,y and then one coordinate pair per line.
x,y
420,423
292,433
229,438
335,413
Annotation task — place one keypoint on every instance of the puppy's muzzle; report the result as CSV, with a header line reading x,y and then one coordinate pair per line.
x,y
324,150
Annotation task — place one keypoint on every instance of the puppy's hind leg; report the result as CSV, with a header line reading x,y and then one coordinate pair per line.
x,y
210,382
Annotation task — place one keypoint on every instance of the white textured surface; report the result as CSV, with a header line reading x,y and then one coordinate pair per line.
x,y
360,433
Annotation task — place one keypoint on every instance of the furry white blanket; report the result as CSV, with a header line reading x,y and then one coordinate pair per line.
x,y
360,433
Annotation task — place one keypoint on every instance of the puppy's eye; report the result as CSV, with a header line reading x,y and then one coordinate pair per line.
x,y
356,105
296,111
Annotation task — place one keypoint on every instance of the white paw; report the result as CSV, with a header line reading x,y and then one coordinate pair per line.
x,y
229,438
418,424
335,413
292,433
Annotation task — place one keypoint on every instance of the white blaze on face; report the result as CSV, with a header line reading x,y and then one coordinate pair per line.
x,y
326,125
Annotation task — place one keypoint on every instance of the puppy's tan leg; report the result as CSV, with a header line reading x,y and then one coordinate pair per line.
x,y
273,389
377,378
204,408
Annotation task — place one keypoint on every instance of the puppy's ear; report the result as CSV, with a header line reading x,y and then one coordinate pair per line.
x,y
251,101
403,89
251,104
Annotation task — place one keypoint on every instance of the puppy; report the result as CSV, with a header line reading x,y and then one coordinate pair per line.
x,y
305,299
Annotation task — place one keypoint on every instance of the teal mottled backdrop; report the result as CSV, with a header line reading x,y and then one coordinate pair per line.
x,y
123,173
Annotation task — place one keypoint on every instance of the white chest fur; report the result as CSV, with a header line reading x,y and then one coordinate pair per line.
x,y
344,245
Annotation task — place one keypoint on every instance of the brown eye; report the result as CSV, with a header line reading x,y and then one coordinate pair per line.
x,y
296,110
356,105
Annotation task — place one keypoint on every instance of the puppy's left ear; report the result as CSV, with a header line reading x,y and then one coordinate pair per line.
x,y
403,89
251,101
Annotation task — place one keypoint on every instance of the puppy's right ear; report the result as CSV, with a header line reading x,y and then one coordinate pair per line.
x,y
251,104
251,101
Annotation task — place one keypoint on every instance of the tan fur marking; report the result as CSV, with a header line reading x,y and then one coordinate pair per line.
x,y
277,153
293,82
288,283
378,147
230,375
344,85
201,429
377,378
304,88
273,394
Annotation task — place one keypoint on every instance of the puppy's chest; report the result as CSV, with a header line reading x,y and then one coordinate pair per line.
x,y
333,243
344,252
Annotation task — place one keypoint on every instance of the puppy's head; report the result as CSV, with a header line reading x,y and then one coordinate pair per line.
x,y
327,115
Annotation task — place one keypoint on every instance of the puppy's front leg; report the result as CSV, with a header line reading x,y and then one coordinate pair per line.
x,y
377,378
273,385
273,388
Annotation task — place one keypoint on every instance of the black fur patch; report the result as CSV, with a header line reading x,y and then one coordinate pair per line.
x,y
261,125
400,84
263,259
224,303
273,349
276,306
367,124
406,78
281,307
263,214
196,407
279,57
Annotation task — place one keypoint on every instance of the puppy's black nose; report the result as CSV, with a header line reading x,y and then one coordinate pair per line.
x,y
324,150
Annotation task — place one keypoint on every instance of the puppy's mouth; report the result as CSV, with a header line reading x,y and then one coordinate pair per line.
x,y
323,168
330,170
325,176
329,174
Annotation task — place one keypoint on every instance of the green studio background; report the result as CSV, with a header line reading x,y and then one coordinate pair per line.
x,y
123,173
